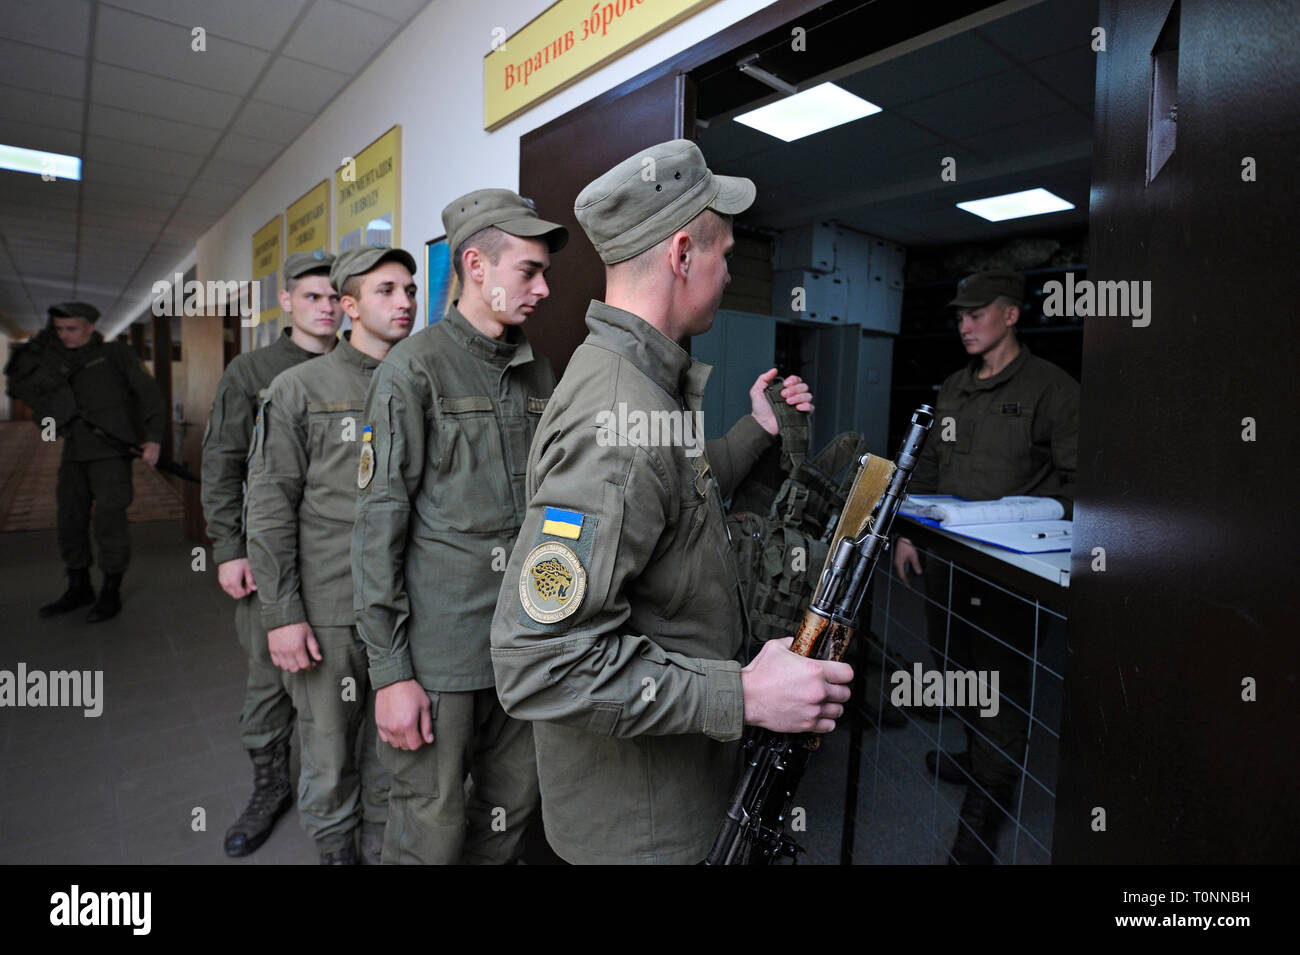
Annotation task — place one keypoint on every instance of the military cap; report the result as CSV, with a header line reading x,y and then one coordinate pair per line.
x,y
75,310
300,263
976,291
362,259
650,195
504,209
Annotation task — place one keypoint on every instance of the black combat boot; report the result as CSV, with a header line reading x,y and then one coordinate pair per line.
x,y
272,796
109,603
977,830
78,594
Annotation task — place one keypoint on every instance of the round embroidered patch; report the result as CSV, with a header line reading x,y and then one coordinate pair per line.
x,y
552,582
366,469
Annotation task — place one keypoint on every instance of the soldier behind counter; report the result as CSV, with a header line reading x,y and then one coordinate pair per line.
x,y
453,411
620,622
310,456
1016,421
96,392
312,306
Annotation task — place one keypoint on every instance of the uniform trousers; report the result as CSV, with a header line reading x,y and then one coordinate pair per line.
x,y
431,818
342,782
268,708
105,483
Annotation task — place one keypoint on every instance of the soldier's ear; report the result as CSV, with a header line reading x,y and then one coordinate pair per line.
x,y
285,298
680,248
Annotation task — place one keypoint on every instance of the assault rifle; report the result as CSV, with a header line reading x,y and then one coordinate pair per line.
x,y
753,831
133,449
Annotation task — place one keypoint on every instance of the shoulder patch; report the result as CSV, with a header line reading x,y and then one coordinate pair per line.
x,y
552,582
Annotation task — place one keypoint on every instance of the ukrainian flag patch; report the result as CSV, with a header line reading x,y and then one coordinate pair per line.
x,y
561,523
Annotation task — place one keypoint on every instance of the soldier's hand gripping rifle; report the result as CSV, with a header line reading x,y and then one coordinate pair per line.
x,y
133,449
753,832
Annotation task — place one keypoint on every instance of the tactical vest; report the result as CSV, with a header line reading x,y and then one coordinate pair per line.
x,y
782,517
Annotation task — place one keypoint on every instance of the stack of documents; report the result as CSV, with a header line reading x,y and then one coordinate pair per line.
x,y
1026,525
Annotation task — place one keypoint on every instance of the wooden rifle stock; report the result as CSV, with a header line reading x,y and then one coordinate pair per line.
x,y
753,830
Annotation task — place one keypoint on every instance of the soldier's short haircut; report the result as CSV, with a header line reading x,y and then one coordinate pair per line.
x,y
291,284
490,242
1005,300
352,285
706,230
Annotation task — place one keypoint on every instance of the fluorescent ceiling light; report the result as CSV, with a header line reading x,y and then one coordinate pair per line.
x,y
811,111
1016,205
40,163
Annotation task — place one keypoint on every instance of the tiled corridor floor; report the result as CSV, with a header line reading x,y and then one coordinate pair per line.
x,y
124,787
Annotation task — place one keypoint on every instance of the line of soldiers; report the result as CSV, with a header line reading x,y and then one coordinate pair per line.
x,y
429,545
446,566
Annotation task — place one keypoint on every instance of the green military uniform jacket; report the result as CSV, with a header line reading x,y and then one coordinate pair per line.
x,y
109,386
1014,433
453,413
227,438
302,489
635,689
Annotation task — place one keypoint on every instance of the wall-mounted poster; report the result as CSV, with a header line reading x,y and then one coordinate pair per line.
x,y
369,193
439,280
267,260
307,221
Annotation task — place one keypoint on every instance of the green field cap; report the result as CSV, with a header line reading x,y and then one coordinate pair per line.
x,y
650,195
976,291
300,263
75,310
508,211
362,259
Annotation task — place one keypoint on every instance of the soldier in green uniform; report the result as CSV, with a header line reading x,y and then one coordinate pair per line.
x,y
453,411
620,621
97,393
1007,423
311,305
311,452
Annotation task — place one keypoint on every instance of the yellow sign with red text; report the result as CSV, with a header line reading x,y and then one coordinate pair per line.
x,y
564,43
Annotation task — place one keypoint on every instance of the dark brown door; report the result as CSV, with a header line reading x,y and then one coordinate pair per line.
x,y
555,162
1187,450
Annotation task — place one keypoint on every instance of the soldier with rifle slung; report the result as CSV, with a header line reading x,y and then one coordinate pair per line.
x,y
96,392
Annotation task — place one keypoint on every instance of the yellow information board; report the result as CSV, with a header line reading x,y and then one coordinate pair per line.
x,y
564,43
267,259
307,221
368,188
